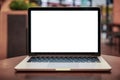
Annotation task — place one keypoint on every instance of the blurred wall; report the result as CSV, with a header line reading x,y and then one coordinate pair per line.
x,y
116,11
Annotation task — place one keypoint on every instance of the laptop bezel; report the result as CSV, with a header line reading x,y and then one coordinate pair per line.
x,y
62,53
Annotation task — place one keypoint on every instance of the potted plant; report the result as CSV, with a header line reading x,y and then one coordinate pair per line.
x,y
21,4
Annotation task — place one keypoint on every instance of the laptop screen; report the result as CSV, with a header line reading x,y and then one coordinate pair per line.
x,y
64,31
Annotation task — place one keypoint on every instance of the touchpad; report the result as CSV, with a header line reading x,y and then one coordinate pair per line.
x,y
63,65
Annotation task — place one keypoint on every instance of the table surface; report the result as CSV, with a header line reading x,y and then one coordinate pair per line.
x,y
7,72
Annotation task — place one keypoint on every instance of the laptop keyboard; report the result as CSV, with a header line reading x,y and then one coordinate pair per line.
x,y
65,59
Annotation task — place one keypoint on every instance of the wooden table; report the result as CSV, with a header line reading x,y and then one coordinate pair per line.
x,y
7,72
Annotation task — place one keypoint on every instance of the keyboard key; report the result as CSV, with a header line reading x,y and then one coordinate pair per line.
x,y
64,59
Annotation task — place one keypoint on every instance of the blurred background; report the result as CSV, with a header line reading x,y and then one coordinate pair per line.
x,y
13,23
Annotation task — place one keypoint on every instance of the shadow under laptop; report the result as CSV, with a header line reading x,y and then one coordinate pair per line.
x,y
48,72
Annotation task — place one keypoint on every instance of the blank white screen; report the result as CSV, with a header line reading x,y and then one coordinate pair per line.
x,y
64,31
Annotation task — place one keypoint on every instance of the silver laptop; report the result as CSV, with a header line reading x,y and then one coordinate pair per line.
x,y
63,39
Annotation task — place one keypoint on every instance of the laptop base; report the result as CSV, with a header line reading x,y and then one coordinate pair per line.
x,y
62,66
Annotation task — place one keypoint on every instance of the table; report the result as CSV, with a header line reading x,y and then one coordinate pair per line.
x,y
7,72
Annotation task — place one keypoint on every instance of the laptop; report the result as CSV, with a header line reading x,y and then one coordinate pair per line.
x,y
63,39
